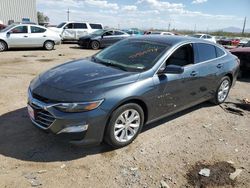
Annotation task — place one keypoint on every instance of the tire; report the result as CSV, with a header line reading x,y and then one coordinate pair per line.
x,y
49,45
222,90
95,45
3,46
119,132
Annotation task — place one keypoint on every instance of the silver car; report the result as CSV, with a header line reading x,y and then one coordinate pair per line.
x,y
28,36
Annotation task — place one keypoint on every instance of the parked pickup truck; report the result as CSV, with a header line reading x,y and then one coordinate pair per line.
x,y
72,31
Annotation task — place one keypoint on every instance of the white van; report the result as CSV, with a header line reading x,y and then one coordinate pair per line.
x,y
75,30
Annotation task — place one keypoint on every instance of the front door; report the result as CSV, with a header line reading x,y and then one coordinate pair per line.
x,y
18,37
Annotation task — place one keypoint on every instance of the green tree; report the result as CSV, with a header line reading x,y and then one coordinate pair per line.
x,y
42,18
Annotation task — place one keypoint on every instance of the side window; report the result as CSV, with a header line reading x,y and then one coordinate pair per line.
x,y
209,37
219,52
37,29
204,37
69,26
108,33
119,33
20,29
96,26
80,26
182,56
206,52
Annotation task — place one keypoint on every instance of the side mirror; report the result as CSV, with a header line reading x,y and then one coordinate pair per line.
x,y
171,69
8,33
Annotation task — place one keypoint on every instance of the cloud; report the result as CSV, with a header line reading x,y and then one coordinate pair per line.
x,y
198,1
129,8
102,4
162,5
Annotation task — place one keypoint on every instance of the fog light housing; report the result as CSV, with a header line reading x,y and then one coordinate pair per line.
x,y
74,129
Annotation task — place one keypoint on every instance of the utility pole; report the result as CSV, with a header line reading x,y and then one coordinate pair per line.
x,y
244,25
68,14
169,25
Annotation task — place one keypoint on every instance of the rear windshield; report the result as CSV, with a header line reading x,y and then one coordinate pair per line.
x,y
96,26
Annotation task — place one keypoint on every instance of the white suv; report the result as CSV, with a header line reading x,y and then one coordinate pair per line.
x,y
75,30
205,37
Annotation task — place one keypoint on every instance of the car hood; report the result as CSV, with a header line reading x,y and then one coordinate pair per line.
x,y
81,80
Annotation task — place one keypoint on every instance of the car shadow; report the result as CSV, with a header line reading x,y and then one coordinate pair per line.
x,y
26,49
21,140
244,78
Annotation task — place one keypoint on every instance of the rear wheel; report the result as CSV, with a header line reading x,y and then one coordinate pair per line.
x,y
95,45
49,45
125,125
222,90
3,46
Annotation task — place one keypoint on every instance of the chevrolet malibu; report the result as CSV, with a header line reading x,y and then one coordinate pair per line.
x,y
113,94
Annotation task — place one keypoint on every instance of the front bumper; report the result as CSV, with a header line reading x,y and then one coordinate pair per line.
x,y
83,43
85,128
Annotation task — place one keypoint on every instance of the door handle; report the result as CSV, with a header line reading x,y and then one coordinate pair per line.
x,y
219,66
25,36
193,73
44,36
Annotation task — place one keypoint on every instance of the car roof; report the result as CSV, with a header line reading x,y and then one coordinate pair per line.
x,y
170,39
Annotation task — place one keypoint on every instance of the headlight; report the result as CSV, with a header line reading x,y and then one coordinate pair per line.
x,y
78,107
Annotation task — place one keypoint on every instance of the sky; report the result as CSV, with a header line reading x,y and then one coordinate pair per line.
x,y
203,15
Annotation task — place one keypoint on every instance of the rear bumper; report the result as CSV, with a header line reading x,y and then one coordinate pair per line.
x,y
85,128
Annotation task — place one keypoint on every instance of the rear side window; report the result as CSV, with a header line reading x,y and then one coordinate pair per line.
x,y
37,29
96,26
80,26
119,33
206,52
220,52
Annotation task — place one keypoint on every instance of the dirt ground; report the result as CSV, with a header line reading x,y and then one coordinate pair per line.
x,y
170,152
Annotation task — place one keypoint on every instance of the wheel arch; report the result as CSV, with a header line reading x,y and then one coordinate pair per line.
x,y
135,100
4,42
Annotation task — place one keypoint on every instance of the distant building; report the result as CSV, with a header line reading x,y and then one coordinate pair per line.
x,y
18,11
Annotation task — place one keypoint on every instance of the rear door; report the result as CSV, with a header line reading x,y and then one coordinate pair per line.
x,y
38,36
18,37
81,29
208,67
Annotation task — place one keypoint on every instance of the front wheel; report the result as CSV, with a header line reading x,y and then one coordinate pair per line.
x,y
222,90
95,45
124,126
49,45
3,46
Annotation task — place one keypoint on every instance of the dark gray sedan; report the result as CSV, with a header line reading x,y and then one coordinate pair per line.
x,y
102,38
113,94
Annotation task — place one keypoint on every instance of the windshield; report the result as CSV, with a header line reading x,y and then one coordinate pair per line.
x,y
61,25
98,32
132,55
7,28
196,36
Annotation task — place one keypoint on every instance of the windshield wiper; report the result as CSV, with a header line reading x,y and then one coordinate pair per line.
x,y
108,63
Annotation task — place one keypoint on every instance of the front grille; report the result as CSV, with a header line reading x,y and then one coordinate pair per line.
x,y
42,117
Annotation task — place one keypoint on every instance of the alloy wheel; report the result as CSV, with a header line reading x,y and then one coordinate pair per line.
x,y
127,125
2,46
223,90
